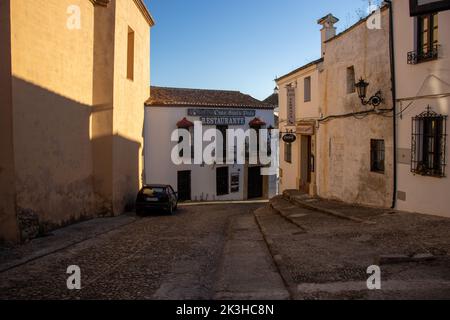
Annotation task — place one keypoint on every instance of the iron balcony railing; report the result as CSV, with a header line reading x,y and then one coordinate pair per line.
x,y
427,53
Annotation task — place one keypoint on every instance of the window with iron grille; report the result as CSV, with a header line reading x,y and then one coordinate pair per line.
x,y
429,135
427,39
288,152
377,155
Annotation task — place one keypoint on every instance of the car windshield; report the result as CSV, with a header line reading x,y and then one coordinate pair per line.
x,y
152,191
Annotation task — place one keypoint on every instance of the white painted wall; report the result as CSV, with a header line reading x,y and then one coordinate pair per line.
x,y
423,194
160,122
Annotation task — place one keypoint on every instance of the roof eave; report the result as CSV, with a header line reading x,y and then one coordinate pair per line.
x,y
180,105
304,67
145,12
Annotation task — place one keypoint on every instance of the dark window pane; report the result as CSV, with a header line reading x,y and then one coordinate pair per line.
x,y
307,89
377,155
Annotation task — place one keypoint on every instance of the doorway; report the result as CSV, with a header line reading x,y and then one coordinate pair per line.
x,y
305,163
184,185
222,185
255,183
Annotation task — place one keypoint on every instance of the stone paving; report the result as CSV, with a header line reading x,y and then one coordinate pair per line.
x,y
285,250
326,256
154,257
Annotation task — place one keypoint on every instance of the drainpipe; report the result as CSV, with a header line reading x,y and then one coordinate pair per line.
x,y
394,96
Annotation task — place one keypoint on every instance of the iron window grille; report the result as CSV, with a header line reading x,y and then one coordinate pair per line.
x,y
422,55
429,138
377,155
427,39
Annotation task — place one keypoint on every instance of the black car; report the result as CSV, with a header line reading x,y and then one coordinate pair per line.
x,y
156,197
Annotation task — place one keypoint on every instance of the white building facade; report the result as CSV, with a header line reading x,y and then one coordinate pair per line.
x,y
422,68
169,109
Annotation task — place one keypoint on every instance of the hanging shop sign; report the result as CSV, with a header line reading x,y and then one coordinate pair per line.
x,y
290,106
289,138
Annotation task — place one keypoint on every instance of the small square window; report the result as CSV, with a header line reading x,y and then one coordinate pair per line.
x,y
377,155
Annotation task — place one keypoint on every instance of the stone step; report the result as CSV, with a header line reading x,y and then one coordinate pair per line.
x,y
307,202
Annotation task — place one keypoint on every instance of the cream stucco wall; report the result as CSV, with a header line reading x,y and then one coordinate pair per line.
x,y
129,98
344,144
423,194
72,124
52,74
305,111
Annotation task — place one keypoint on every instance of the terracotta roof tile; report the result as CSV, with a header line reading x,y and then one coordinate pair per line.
x,y
161,96
272,99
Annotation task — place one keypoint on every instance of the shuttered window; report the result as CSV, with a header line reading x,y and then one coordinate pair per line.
x,y
307,85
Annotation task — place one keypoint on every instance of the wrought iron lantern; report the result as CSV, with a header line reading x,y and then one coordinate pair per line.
x,y
361,87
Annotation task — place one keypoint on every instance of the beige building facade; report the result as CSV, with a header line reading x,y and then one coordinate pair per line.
x,y
422,68
344,146
74,80
355,141
299,112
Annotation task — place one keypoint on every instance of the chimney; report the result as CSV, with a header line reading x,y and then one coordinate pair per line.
x,y
328,30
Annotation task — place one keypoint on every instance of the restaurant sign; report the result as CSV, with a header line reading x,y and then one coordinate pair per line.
x,y
222,117
223,121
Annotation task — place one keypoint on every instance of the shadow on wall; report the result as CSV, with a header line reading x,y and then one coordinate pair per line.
x,y
63,171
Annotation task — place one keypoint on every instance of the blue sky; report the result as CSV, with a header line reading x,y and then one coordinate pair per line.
x,y
238,44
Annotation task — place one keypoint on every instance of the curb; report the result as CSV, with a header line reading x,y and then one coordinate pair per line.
x,y
277,260
212,203
330,212
33,257
290,220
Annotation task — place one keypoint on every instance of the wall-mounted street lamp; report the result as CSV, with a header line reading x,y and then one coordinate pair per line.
x,y
375,100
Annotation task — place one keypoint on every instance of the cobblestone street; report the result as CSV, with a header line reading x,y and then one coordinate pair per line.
x,y
222,252
324,248
159,257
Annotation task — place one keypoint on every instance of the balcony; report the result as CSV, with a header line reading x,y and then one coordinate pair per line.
x,y
423,55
